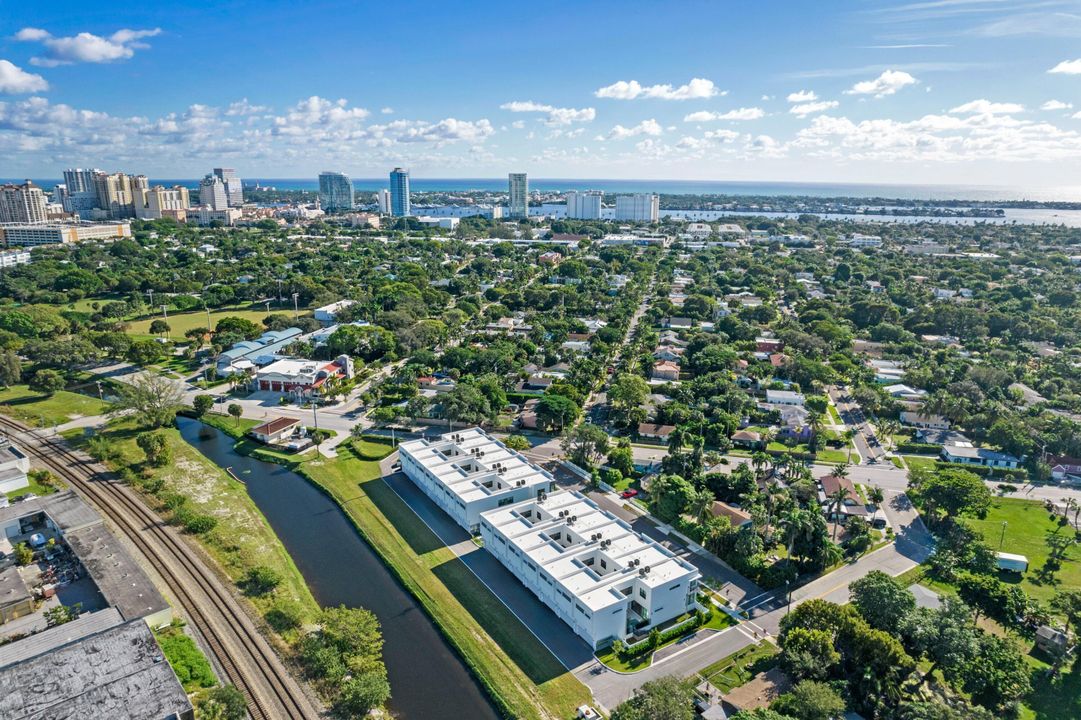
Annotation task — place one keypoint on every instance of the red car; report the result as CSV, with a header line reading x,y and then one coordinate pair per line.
x,y
629,493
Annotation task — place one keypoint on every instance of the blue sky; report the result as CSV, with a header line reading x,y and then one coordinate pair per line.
x,y
960,91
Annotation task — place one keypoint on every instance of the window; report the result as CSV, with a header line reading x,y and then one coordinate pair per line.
x,y
641,593
674,587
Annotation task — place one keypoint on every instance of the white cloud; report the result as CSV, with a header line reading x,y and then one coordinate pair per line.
x,y
974,138
986,107
1056,105
889,82
646,127
1067,67
743,113
803,96
518,124
722,135
85,47
387,111
556,116
810,108
16,81
243,107
696,89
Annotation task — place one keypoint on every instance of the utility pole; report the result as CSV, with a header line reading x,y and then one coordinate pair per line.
x,y
101,395
296,310
151,294
165,312
209,325
279,292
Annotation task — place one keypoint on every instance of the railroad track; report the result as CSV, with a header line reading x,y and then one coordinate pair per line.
x,y
241,651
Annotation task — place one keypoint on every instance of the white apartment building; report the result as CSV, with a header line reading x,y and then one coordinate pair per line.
x,y
640,207
24,203
204,215
234,188
861,240
213,193
11,258
59,233
518,191
382,200
158,202
584,205
466,472
591,568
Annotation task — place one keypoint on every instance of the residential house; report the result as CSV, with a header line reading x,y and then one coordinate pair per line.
x,y
275,430
653,431
905,392
768,344
969,455
665,370
784,397
668,352
747,439
1065,468
918,419
830,485
549,258
737,516
677,323
328,314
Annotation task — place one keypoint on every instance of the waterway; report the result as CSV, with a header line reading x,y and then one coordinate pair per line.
x,y
428,680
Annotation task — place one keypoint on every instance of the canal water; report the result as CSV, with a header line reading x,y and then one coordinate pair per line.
x,y
428,680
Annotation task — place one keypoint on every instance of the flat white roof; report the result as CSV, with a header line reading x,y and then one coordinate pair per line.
x,y
472,464
568,536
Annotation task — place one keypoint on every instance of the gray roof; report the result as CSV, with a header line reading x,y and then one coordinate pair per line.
x,y
978,453
12,587
119,673
48,640
66,509
119,578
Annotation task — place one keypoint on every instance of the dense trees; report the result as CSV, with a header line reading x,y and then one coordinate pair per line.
x,y
668,698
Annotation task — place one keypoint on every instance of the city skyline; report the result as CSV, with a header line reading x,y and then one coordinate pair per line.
x,y
881,92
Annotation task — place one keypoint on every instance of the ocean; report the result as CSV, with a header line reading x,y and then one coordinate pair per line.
x,y
979,193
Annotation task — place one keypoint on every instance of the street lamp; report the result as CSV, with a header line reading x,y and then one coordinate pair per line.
x,y
296,310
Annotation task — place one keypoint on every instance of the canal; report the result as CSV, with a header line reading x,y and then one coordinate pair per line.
x,y
428,680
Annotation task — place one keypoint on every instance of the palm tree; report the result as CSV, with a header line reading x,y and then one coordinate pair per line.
x,y
781,465
837,499
797,522
888,428
771,494
760,461
815,421
876,496
840,470
677,439
701,506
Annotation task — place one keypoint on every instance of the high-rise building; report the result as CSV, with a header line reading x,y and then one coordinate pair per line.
x,y
234,189
640,207
212,193
336,191
60,195
382,199
518,187
80,179
399,193
584,205
24,203
159,202
115,194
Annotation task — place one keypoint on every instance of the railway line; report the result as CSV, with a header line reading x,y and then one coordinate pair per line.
x,y
245,656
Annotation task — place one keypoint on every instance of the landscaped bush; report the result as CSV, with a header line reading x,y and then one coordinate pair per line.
x,y
190,665
198,524
917,448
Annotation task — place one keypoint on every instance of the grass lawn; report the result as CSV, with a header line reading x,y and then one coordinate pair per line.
x,y
22,403
829,455
37,488
242,538
1028,526
897,462
835,416
720,620
918,461
182,322
523,676
736,669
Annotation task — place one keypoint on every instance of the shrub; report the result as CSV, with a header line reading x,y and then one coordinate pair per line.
x,y
190,665
23,554
199,524
261,579
174,500
284,615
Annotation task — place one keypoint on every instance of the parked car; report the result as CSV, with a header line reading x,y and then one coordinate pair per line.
x,y
628,493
